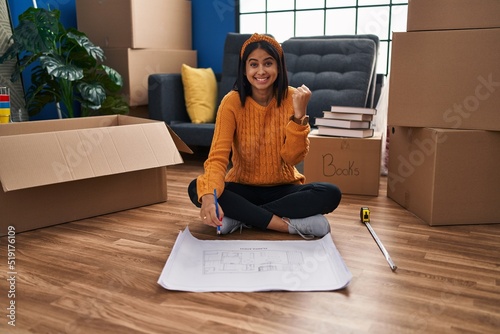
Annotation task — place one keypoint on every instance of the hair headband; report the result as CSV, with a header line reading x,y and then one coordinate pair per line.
x,y
257,38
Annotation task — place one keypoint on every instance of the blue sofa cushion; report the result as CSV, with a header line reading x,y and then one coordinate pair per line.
x,y
194,134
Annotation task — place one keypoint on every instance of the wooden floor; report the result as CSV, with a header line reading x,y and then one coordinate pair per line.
x,y
99,276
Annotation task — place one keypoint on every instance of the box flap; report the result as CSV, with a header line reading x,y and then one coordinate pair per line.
x,y
38,159
181,146
21,128
127,120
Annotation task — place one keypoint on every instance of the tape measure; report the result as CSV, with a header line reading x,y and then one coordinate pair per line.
x,y
364,215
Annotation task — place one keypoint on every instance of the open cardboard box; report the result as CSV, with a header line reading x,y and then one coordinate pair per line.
x,y
58,171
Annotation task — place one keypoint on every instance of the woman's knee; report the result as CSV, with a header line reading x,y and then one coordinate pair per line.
x,y
193,193
332,195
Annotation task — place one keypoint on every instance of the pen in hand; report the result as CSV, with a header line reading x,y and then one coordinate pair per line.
x,y
216,209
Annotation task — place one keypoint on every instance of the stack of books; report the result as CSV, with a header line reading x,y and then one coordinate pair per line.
x,y
342,121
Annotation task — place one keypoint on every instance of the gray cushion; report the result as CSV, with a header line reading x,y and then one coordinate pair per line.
x,y
338,71
375,39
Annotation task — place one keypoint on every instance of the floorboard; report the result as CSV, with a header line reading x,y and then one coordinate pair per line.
x,y
99,275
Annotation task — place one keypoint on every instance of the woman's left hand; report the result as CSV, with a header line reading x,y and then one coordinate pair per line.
x,y
301,98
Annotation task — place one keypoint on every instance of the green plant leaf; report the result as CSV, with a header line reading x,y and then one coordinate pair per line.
x,y
41,81
37,31
93,93
59,69
36,104
113,75
108,77
115,105
82,40
112,105
10,53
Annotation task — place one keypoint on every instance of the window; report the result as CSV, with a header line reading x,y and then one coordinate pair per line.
x,y
289,18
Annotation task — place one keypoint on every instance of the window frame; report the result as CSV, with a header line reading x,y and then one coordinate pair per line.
x,y
385,43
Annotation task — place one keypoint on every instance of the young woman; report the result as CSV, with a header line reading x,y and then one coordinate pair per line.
x,y
263,122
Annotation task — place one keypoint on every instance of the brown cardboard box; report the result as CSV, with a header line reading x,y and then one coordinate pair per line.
x,y
136,23
446,177
136,65
58,171
452,14
445,79
353,164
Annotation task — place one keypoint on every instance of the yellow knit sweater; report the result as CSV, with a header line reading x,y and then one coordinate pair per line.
x,y
265,145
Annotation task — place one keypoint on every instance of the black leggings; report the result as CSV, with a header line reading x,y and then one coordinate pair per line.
x,y
256,205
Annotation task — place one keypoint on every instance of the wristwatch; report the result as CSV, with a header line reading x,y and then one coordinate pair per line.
x,y
300,121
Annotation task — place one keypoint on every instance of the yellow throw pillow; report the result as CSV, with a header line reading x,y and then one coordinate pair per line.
x,y
200,93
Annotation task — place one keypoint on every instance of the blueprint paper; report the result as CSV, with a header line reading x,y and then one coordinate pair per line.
x,y
253,265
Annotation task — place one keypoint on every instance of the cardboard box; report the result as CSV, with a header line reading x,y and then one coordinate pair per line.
x,y
353,164
58,171
445,79
445,177
136,66
136,23
452,14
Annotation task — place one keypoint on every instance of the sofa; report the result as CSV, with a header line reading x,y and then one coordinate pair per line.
x,y
339,70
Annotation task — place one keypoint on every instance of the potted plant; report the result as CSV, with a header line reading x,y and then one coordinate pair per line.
x,y
67,67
